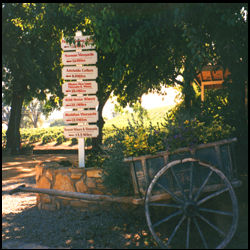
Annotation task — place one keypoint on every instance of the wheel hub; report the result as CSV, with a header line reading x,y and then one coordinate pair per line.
x,y
190,208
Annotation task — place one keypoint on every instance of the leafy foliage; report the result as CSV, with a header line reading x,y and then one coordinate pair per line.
x,y
136,52
60,139
204,122
31,61
116,172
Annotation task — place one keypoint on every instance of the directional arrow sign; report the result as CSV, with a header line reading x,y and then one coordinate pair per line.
x,y
78,39
76,73
80,102
83,57
86,87
88,116
81,131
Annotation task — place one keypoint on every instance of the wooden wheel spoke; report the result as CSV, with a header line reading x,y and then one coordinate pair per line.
x,y
212,195
164,205
170,192
187,201
191,181
212,225
178,183
175,230
201,234
203,185
188,232
167,218
216,211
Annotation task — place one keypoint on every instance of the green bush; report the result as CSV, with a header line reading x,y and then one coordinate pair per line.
x,y
74,141
60,139
140,140
34,138
25,134
26,148
116,178
204,122
133,140
47,138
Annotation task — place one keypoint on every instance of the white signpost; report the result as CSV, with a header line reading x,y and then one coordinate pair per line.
x,y
86,87
78,82
81,131
80,116
80,102
77,73
82,57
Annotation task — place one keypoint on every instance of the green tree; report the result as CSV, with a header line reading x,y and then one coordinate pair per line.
x,y
140,46
219,31
135,51
31,66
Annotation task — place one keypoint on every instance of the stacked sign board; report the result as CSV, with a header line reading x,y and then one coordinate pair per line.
x,y
79,87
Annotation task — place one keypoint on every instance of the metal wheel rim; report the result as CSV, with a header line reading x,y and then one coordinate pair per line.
x,y
212,168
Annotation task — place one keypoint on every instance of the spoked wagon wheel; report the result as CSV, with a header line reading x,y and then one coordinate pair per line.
x,y
191,204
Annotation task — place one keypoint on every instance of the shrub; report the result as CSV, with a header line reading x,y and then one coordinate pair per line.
x,y
25,134
143,140
135,139
94,159
74,141
26,148
204,122
34,138
116,177
47,138
60,139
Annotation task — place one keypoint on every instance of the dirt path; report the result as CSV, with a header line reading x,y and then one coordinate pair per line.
x,y
21,169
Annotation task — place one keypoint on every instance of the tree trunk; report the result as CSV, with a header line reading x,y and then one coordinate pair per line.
x,y
13,133
188,90
97,142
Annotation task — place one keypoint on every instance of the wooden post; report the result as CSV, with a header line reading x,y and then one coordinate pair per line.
x,y
202,91
81,152
81,146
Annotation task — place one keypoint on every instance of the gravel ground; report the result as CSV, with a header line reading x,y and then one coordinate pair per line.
x,y
114,227
24,226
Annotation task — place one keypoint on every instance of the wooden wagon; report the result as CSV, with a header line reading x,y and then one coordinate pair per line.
x,y
188,194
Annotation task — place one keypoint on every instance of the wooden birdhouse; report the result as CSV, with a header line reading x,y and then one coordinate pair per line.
x,y
211,77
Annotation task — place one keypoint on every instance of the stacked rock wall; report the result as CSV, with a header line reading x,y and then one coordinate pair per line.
x,y
52,175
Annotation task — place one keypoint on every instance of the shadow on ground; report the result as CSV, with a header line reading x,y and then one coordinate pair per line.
x,y
115,228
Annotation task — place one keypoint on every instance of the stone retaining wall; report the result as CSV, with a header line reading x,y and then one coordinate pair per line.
x,y
52,175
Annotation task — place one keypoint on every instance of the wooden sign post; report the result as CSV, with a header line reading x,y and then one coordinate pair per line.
x,y
79,82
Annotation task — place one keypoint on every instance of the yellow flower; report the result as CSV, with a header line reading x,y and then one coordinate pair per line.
x,y
186,122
